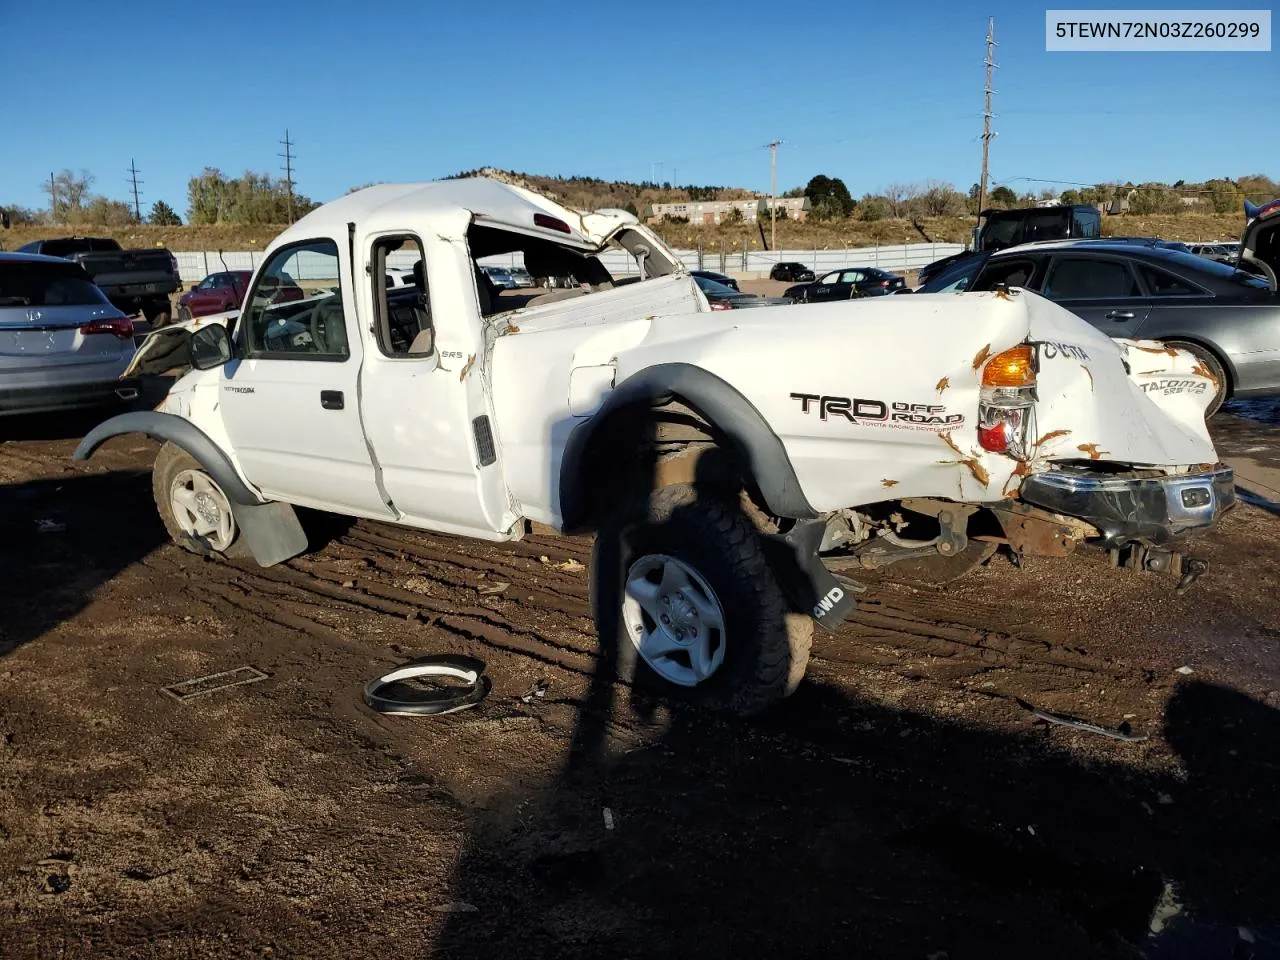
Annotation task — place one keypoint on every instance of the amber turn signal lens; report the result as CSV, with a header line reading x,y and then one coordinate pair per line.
x,y
1013,368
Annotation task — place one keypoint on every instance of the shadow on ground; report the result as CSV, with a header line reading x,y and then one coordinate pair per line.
x,y
839,827
56,551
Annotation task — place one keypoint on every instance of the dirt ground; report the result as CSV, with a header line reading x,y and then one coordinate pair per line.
x,y
904,803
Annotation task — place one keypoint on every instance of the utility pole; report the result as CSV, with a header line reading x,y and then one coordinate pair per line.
x,y
133,175
773,193
288,169
986,113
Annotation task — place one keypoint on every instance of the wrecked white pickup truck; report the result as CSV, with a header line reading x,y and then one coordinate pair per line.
x,y
730,461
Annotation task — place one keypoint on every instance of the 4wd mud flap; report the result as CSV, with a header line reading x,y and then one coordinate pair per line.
x,y
802,574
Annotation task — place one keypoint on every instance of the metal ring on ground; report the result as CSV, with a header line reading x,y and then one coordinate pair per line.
x,y
431,703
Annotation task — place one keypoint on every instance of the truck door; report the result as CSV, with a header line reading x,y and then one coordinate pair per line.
x,y
289,401
425,403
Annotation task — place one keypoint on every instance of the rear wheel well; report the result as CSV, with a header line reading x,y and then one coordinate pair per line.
x,y
1215,352
649,447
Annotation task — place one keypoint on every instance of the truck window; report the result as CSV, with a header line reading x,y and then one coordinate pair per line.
x,y
294,311
1086,224
404,327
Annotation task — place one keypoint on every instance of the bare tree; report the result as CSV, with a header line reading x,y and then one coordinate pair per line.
x,y
898,197
68,193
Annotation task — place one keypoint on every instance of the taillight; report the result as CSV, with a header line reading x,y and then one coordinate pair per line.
x,y
121,327
884,283
1006,408
720,305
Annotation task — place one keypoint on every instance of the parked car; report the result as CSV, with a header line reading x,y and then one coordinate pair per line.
x,y
216,293
720,278
860,434
1228,318
62,343
500,277
136,281
721,297
399,277
521,277
846,284
1001,229
791,272
1222,252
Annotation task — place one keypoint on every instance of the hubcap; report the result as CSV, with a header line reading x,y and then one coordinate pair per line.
x,y
202,509
674,619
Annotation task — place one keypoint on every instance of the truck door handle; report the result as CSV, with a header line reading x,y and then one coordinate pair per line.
x,y
1120,315
332,399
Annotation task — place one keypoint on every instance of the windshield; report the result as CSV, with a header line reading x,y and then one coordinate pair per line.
x,y
956,277
46,285
711,288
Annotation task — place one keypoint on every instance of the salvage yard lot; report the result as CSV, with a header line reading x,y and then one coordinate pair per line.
x,y
904,803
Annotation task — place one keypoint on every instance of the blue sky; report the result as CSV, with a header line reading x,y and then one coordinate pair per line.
x,y
418,90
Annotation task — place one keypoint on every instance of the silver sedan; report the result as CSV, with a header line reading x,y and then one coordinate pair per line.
x,y
62,344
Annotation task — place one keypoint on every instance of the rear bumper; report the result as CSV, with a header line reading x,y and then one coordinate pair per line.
x,y
46,399
1150,511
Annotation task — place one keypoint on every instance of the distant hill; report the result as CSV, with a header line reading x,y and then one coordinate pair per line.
x,y
593,193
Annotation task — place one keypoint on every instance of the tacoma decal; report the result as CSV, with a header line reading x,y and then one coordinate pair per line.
x,y
1172,387
877,413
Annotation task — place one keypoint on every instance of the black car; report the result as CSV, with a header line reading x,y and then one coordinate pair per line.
x,y
1228,318
791,272
714,277
726,298
847,284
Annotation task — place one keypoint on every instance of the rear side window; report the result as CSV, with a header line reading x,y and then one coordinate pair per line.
x,y
1163,284
46,285
1083,279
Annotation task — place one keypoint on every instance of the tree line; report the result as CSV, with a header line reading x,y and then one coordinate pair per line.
x,y
212,198
830,199
258,198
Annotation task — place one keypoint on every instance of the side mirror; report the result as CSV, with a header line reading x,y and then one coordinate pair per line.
x,y
210,347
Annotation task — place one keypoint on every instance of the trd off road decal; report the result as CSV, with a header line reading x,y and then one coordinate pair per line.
x,y
1172,387
876,413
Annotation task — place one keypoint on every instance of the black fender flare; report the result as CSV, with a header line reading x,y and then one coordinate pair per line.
x,y
179,431
271,529
715,400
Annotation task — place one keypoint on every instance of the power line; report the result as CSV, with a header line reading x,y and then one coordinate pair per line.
x,y
288,169
133,175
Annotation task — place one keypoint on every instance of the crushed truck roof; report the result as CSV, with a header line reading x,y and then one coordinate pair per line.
x,y
489,201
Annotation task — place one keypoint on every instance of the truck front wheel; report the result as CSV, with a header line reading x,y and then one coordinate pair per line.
x,y
687,605
158,313
195,511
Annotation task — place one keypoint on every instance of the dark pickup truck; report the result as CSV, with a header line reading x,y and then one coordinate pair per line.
x,y
1009,228
133,280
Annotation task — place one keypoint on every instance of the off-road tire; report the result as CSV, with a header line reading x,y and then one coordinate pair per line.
x,y
170,462
1214,366
766,643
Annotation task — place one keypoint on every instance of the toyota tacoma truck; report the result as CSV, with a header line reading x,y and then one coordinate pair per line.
x,y
737,466
135,281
